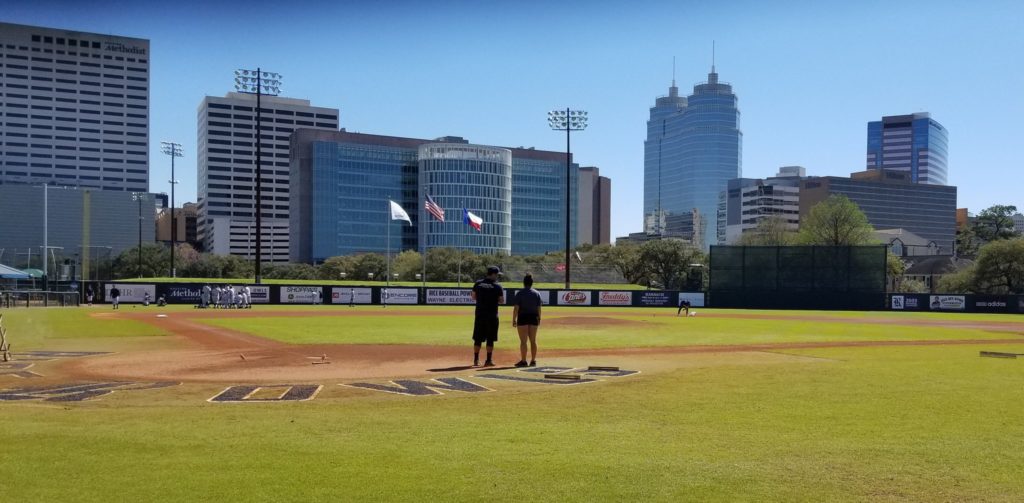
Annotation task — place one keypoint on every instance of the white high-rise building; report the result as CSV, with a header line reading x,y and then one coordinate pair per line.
x,y
74,108
748,201
227,165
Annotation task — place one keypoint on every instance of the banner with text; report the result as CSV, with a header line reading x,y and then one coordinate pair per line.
x,y
615,299
449,296
947,303
300,294
132,292
400,296
574,297
651,298
351,295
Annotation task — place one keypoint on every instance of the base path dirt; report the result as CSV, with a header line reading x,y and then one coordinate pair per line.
x,y
214,354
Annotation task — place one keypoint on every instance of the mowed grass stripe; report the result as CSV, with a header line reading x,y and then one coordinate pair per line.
x,y
567,329
911,423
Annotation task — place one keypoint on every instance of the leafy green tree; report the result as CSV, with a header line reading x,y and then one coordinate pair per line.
x,y
156,262
668,260
220,266
966,242
995,223
407,264
624,258
770,231
836,221
289,271
365,263
912,286
894,269
1000,267
961,281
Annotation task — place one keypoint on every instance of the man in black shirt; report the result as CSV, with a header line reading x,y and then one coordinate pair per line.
x,y
488,294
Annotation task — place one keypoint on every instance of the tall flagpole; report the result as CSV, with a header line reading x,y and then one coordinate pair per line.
x,y
423,237
387,280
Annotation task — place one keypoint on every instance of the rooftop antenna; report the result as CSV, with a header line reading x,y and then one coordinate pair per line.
x,y
712,56
673,71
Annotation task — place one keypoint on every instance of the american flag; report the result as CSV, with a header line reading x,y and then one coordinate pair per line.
x,y
434,209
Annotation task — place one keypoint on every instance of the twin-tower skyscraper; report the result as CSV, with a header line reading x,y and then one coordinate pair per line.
x,y
694,147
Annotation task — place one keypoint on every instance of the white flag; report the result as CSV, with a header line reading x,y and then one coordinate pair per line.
x,y
397,213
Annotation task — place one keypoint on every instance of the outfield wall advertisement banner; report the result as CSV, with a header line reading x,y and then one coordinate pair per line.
x,y
450,296
351,295
615,299
658,299
400,295
574,297
132,292
300,294
947,303
183,294
696,298
259,295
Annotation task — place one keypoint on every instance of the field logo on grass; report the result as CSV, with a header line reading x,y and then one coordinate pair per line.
x,y
615,299
411,387
250,393
947,302
573,298
76,392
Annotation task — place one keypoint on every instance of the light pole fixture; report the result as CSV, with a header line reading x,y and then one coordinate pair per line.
x,y
174,150
139,197
567,120
259,83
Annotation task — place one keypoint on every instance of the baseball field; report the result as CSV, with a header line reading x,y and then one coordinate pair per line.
x,y
338,403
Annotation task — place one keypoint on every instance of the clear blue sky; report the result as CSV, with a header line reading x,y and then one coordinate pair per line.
x,y
809,75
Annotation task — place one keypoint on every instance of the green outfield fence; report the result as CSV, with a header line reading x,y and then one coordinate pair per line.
x,y
797,277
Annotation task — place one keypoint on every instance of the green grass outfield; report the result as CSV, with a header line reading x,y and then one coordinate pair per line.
x,y
917,423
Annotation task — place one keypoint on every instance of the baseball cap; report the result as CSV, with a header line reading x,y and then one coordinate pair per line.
x,y
493,270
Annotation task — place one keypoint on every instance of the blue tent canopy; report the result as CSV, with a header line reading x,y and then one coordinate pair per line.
x,y
12,273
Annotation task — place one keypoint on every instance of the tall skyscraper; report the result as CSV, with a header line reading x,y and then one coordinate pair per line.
x,y
75,109
693,149
747,201
226,162
915,143
595,193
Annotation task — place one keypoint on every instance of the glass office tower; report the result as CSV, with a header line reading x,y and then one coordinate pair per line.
x,y
913,143
474,177
693,149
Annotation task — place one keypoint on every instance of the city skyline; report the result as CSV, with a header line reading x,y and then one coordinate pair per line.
x,y
810,77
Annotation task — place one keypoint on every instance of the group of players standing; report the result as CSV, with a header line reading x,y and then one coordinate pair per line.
x,y
226,297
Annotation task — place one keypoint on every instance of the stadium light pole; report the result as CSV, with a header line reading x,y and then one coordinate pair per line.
x,y
259,83
174,150
567,120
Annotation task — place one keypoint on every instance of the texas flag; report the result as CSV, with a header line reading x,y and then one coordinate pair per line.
x,y
471,219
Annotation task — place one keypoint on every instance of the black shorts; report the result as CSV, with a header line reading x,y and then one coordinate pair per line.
x,y
528,319
485,330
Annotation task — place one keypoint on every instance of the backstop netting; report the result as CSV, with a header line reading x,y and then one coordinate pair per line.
x,y
797,277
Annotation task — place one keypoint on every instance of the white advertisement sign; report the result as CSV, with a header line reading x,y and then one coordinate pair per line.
x,y
131,292
947,302
615,299
573,298
696,298
259,294
351,295
449,296
897,302
399,295
300,294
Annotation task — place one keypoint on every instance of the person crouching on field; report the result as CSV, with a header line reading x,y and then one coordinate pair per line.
x,y
488,294
526,318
